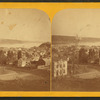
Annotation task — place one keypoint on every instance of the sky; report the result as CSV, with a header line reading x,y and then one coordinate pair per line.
x,y
81,22
24,24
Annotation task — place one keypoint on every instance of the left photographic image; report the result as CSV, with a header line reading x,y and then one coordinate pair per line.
x,y
24,50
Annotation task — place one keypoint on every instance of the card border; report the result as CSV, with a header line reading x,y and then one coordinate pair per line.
x,y
51,9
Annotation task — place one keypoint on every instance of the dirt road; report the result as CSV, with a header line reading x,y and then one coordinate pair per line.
x,y
20,79
89,81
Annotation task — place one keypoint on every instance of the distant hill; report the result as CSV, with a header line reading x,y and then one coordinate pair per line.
x,y
46,44
42,46
56,39
12,41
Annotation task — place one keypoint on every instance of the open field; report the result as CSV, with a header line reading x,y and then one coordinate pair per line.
x,y
87,81
24,79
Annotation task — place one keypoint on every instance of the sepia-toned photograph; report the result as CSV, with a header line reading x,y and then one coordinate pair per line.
x,y
76,50
24,50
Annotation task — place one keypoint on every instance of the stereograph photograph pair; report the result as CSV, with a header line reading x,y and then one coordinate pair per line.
x,y
37,55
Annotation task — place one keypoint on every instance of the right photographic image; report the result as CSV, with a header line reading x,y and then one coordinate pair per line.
x,y
76,50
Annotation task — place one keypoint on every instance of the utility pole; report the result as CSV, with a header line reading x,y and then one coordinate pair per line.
x,y
77,44
77,40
